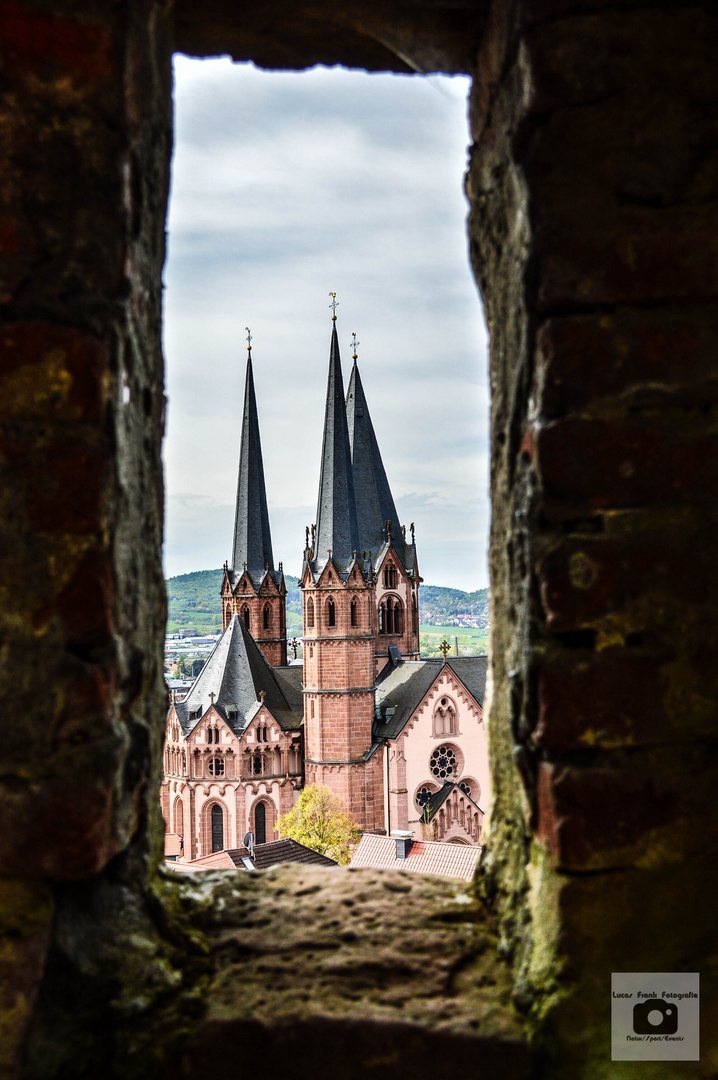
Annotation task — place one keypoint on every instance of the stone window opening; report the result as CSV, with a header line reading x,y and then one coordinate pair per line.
x,y
310,614
390,576
353,610
245,616
391,619
331,614
444,763
215,766
445,717
265,617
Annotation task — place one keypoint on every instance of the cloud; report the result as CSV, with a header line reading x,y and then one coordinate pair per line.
x,y
286,186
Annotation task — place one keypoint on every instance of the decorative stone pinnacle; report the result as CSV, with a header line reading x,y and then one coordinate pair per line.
x,y
334,305
262,695
412,532
249,339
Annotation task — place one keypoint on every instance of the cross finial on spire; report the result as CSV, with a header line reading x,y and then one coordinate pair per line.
x,y
212,696
444,648
354,346
334,305
249,339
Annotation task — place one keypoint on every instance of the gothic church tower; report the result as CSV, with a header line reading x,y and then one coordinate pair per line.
x,y
360,595
382,539
251,586
338,588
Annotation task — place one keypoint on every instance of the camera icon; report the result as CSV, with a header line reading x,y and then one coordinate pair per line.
x,y
655,1017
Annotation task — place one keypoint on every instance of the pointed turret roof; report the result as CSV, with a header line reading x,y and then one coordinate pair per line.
x,y
375,503
234,676
337,528
252,539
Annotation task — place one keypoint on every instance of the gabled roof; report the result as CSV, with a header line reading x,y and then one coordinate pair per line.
x,y
279,851
437,800
337,529
265,856
424,857
252,540
403,688
374,501
235,673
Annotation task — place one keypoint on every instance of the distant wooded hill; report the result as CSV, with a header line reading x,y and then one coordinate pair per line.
x,y
193,600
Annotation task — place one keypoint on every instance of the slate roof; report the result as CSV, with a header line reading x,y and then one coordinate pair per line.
x,y
424,857
337,528
252,540
402,688
374,501
235,672
437,800
265,856
279,851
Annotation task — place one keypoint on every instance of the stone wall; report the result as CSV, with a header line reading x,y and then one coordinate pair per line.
x,y
593,191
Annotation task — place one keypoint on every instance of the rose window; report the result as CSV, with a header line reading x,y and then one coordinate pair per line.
x,y
443,763
422,796
465,788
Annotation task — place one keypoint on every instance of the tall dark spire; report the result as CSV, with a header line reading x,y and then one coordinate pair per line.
x,y
337,527
375,504
252,539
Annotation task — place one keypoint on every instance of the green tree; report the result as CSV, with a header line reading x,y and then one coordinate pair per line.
x,y
320,821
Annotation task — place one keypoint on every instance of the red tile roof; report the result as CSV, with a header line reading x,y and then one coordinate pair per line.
x,y
220,860
424,857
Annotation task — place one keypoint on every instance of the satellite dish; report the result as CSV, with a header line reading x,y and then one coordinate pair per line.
x,y
248,839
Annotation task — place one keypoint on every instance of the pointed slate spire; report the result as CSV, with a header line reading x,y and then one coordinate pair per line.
x,y
337,527
252,539
375,503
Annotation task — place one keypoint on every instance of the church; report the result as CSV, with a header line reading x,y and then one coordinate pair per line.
x,y
401,740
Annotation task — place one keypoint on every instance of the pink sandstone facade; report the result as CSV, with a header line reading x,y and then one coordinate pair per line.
x,y
399,739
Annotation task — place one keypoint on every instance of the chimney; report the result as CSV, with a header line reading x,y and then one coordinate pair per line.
x,y
403,840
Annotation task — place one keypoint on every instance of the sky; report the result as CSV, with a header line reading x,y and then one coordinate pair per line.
x,y
286,187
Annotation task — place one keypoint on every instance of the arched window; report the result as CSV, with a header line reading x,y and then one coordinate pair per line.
x,y
265,617
390,577
398,618
353,611
260,824
382,618
179,816
245,616
414,615
310,612
216,766
445,717
331,614
217,828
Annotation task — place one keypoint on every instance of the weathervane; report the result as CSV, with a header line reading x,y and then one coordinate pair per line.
x,y
354,345
249,339
334,305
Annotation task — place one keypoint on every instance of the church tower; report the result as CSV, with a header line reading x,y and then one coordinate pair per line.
x,y
251,586
382,539
339,599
